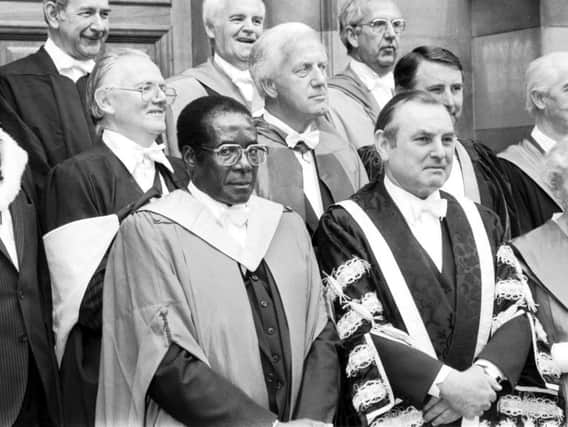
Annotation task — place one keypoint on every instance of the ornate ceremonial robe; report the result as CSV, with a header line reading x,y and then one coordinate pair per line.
x,y
50,107
189,291
91,185
280,178
381,365
534,203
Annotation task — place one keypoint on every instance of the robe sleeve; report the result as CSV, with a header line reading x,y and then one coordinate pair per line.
x,y
381,363
195,395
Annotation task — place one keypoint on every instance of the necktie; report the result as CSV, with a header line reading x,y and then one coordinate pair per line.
x,y
245,84
144,170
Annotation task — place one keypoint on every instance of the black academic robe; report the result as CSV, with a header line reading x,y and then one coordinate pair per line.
x,y
448,301
26,345
94,183
51,123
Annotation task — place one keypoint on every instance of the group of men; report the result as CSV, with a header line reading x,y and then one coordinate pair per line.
x,y
311,251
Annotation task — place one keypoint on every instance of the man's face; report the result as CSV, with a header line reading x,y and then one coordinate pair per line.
x,y
83,27
235,29
301,82
378,51
555,102
138,119
444,82
227,184
420,161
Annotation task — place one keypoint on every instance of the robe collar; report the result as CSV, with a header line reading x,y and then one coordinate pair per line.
x,y
13,161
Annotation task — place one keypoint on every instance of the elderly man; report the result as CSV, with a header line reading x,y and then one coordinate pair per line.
x,y
309,166
411,279
87,195
214,327
45,90
232,28
547,102
476,173
370,30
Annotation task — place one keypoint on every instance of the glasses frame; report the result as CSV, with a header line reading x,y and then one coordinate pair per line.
x,y
388,21
170,97
242,150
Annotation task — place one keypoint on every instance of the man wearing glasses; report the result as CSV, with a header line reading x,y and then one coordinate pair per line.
x,y
223,322
87,196
370,30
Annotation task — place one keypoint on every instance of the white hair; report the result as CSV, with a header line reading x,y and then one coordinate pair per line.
x,y
273,48
210,10
541,74
556,171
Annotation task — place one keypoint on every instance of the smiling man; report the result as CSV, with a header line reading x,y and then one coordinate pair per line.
x,y
46,89
370,30
232,28
214,328
87,195
432,331
309,166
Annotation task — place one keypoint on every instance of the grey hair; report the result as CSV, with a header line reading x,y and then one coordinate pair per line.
x,y
59,5
272,49
556,171
96,80
210,10
540,76
351,13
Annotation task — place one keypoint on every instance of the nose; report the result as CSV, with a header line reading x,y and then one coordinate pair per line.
x,y
243,163
438,150
449,100
98,23
389,32
319,77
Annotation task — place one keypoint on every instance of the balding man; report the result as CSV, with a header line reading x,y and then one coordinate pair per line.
x,y
370,30
46,89
476,173
232,28
546,101
309,166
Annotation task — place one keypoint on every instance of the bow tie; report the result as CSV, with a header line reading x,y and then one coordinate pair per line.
x,y
84,67
436,208
244,82
236,215
309,138
154,153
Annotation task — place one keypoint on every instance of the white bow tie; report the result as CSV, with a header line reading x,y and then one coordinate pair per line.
x,y
154,153
436,208
236,215
84,67
310,138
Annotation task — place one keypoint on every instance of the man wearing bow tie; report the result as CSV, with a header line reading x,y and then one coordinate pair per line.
x,y
86,197
309,166
43,94
411,276
232,28
223,323
370,31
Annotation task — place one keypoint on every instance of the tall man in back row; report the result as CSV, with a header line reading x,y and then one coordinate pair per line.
x,y
46,90
419,303
476,172
212,310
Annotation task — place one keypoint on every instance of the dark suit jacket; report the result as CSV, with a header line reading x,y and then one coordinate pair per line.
x,y
24,319
50,109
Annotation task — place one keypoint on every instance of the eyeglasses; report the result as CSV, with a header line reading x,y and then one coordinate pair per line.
x,y
230,154
379,25
149,91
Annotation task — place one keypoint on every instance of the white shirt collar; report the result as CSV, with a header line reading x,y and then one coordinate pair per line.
x,y
371,79
276,122
128,151
64,62
233,72
407,203
545,142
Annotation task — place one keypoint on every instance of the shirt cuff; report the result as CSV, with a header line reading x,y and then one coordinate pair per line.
x,y
491,369
443,373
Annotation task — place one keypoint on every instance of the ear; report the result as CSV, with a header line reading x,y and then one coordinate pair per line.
x,y
352,36
269,88
537,98
382,144
51,13
103,101
210,30
188,156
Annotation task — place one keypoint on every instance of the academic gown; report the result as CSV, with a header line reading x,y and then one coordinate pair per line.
x,y
449,303
52,121
172,343
280,178
92,184
532,200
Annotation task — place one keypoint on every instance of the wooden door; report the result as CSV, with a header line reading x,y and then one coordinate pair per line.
x,y
162,28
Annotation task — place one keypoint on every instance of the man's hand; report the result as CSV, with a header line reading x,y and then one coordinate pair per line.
x,y
438,411
304,422
471,392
